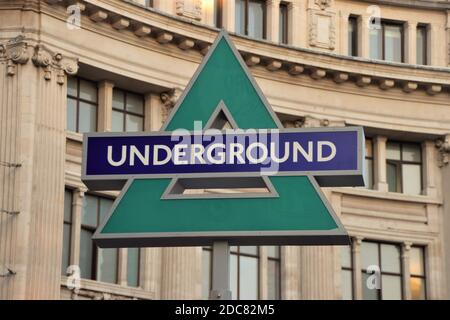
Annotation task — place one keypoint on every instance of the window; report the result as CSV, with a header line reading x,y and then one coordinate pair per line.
x,y
347,273
386,42
422,45
218,9
283,27
273,273
82,102
149,3
128,112
95,263
404,167
244,271
133,258
368,166
353,36
67,231
417,271
387,258
250,18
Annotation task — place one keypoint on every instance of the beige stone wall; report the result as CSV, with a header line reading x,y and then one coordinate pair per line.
x,y
153,54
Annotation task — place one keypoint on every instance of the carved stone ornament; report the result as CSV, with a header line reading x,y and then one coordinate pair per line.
x,y
323,4
14,52
444,149
322,29
54,62
169,99
189,8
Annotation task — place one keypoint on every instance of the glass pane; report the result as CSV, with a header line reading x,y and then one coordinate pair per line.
x,y
412,152
273,278
118,99
240,16
89,211
206,273
283,24
234,276
412,179
417,289
393,151
117,124
105,206
249,250
88,91
346,257
273,252
135,103
86,254
421,45
107,265
248,278
368,293
393,43
65,249
391,287
347,285
133,267
390,258
88,118
368,173
72,86
71,115
416,260
392,177
256,19
369,254
376,44
67,206
134,123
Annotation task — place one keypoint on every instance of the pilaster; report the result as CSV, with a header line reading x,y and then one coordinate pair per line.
x,y
379,166
105,98
273,20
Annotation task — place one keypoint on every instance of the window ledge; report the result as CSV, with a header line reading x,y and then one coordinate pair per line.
x,y
75,136
97,287
389,195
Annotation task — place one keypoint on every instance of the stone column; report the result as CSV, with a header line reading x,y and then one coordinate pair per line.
x,y
356,258
105,98
263,269
77,206
273,20
228,12
122,267
429,168
406,286
297,23
150,271
379,165
364,36
34,108
411,42
290,273
343,19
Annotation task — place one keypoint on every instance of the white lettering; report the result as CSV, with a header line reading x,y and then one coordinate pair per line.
x,y
320,157
123,157
156,160
262,155
297,147
134,152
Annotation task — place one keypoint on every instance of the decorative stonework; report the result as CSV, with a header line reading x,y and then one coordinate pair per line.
x,y
322,29
14,52
189,8
444,149
323,4
54,62
169,99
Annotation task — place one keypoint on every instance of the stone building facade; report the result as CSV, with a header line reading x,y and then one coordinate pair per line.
x,y
69,66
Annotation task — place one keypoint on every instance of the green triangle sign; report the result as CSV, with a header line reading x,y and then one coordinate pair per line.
x,y
294,212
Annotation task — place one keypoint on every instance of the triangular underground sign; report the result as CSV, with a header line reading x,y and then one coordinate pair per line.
x,y
296,212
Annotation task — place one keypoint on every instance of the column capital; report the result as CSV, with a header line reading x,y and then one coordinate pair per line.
x,y
406,246
443,145
15,51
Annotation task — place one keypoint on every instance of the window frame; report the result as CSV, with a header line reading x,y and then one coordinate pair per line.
x,y
238,255
423,26
424,265
218,13
372,169
78,100
246,18
277,261
353,19
283,33
389,22
70,224
401,274
125,111
95,249
399,165
351,269
138,285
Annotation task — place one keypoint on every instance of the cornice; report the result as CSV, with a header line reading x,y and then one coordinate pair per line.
x,y
419,4
126,18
